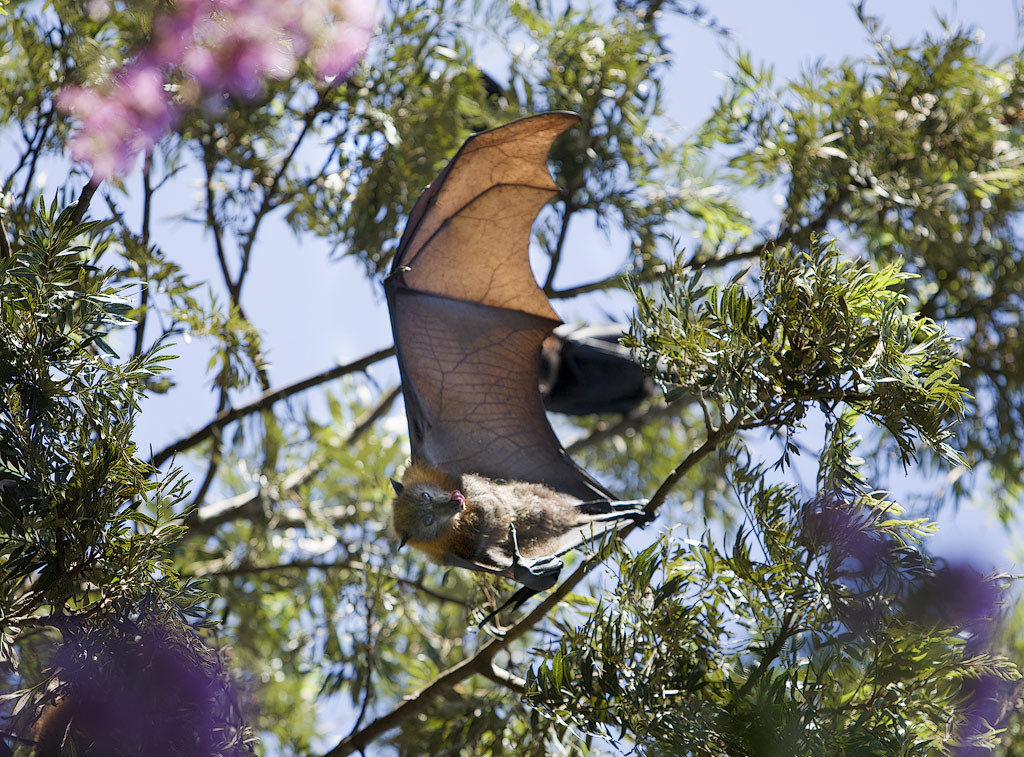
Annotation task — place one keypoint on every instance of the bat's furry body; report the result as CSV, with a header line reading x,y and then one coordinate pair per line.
x,y
491,488
475,528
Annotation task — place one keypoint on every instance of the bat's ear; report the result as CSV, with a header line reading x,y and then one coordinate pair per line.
x,y
397,486
405,537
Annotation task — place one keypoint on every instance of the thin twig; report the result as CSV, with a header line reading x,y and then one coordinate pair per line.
x,y
147,204
267,203
770,653
368,684
215,455
266,400
649,273
784,237
506,678
556,255
627,424
204,521
356,565
37,150
214,226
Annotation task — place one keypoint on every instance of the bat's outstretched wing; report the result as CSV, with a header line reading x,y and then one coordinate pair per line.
x,y
469,319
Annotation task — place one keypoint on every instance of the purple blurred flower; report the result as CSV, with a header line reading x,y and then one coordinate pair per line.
x,y
346,39
239,45
119,124
225,46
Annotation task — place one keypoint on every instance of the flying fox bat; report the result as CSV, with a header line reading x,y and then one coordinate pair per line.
x,y
490,487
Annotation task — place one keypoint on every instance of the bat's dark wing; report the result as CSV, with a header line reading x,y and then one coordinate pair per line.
x,y
469,319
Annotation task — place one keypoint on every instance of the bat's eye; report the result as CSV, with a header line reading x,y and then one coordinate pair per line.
x,y
428,520
427,497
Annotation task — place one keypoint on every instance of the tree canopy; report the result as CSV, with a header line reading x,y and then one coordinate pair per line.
x,y
784,601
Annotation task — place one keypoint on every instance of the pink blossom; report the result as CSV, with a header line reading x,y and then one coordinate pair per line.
x,y
239,46
119,124
225,46
346,49
347,37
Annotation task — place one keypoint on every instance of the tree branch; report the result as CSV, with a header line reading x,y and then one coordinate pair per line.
x,y
205,520
264,401
84,199
357,565
39,137
647,274
147,205
790,234
214,226
267,204
556,254
770,653
627,423
480,661
215,455
505,678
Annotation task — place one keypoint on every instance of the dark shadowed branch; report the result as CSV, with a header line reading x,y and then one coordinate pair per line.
x,y
5,244
556,254
144,233
83,200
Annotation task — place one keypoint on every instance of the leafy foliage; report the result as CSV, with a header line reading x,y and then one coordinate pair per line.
x,y
821,630
822,331
86,530
914,155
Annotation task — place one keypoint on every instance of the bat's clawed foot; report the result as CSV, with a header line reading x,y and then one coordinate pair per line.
x,y
641,517
538,573
535,574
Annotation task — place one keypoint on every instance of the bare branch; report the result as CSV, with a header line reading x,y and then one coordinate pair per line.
x,y
627,423
267,203
784,237
35,149
647,274
147,207
214,225
264,401
356,565
506,678
556,255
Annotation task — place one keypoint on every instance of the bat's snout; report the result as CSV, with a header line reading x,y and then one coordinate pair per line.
x,y
459,499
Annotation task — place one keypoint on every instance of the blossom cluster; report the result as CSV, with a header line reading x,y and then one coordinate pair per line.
x,y
222,46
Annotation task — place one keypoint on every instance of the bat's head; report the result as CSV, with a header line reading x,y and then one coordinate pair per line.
x,y
423,511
